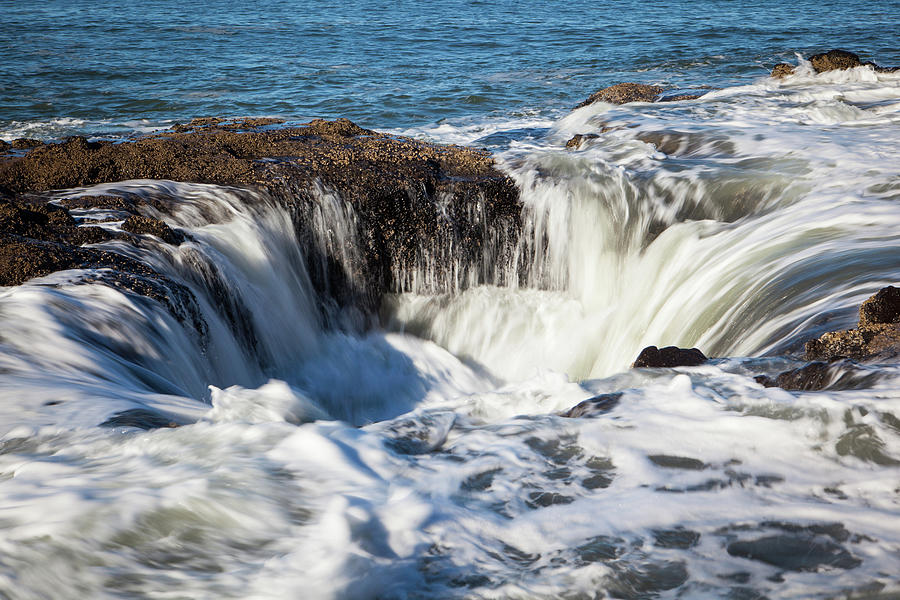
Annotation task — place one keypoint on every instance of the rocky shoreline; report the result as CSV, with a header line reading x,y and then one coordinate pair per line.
x,y
407,196
412,200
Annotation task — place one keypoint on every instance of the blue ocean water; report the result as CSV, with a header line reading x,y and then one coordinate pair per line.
x,y
98,66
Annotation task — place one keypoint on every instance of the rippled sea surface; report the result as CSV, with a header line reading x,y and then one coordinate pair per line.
x,y
79,65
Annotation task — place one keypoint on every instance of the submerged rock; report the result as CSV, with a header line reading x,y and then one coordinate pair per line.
x,y
142,418
795,552
814,376
839,375
576,140
876,336
670,356
678,97
591,407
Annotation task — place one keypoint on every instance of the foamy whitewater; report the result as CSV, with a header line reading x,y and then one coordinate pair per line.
x,y
426,459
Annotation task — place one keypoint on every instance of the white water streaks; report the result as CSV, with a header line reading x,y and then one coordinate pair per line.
x,y
265,455
436,505
733,222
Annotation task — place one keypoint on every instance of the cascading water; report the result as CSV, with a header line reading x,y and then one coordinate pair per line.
x,y
426,459
701,224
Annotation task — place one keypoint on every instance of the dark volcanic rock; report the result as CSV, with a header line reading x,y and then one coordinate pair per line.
x,y
839,375
411,202
670,356
147,225
814,376
881,309
43,221
876,337
622,93
834,60
597,405
25,143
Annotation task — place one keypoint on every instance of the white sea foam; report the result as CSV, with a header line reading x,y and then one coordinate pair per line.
x,y
429,460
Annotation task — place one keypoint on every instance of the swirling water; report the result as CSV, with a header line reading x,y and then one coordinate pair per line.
x,y
426,458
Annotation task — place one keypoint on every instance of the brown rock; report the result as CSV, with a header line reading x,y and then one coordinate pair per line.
x,y
43,221
99,201
782,70
147,225
392,185
882,308
670,356
834,60
876,337
622,93
25,143
831,61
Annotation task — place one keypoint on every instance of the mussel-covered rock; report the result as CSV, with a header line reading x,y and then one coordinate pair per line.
x,y
876,336
623,93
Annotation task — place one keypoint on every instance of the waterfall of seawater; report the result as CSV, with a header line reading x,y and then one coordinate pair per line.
x,y
317,457
724,224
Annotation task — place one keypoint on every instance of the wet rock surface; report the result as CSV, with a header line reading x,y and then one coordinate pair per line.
x,y
670,356
839,375
795,552
576,140
407,196
833,60
591,407
782,70
794,546
876,336
623,93
147,225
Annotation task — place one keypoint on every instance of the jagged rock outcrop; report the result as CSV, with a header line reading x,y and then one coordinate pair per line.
x,y
670,356
408,197
623,93
833,60
876,336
